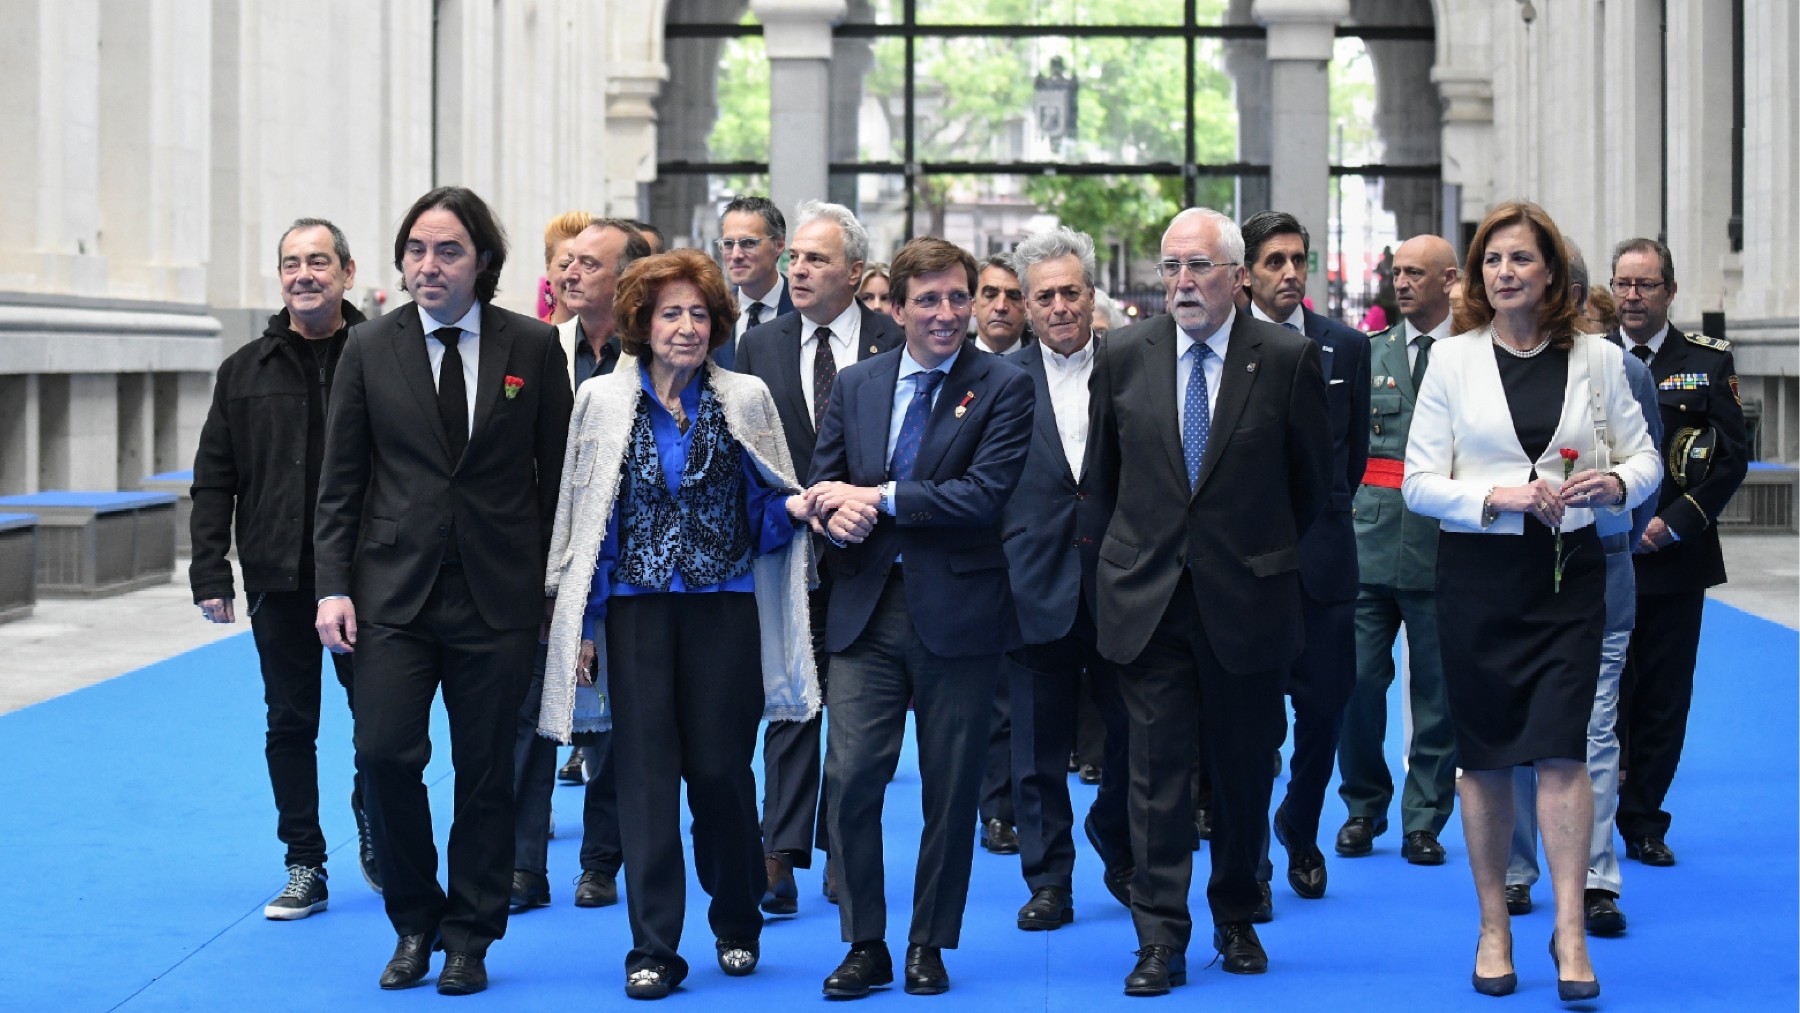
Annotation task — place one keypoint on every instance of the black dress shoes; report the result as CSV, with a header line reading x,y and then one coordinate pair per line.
x,y
1306,864
649,982
411,961
1119,869
463,974
1649,850
529,890
925,974
1518,899
1601,912
866,966
1088,774
999,838
738,957
1243,952
1265,905
782,896
1356,837
1158,969
571,772
1421,847
1048,908
596,889
1202,825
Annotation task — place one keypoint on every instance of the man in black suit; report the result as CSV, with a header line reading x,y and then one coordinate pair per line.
x,y
1678,556
442,457
1276,247
1198,584
918,452
752,234
799,355
1053,526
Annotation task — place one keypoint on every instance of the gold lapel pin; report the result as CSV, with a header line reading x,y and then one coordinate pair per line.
x,y
1249,367
873,349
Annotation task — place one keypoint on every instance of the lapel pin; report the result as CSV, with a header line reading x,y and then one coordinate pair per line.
x,y
874,348
1250,367
963,408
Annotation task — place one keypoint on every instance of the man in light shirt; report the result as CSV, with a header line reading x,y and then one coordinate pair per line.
x,y
752,234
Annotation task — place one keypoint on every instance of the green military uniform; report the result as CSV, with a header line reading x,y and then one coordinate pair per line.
x,y
1396,552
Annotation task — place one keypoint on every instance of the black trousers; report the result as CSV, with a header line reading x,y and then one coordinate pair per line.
x,y
871,683
288,649
1046,690
1319,684
1176,676
601,849
535,780
996,777
686,683
1655,693
793,821
483,673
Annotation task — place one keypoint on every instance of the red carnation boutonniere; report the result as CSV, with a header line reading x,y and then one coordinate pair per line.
x,y
1569,457
512,387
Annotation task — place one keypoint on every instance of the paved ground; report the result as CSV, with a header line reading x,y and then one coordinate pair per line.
x,y
68,644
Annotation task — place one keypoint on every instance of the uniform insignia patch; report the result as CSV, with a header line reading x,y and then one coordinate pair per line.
x,y
1684,381
1704,341
1732,379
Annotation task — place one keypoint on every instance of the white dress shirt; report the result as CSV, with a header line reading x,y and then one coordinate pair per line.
x,y
1213,370
1655,342
771,303
846,331
1296,319
1438,333
1067,377
469,347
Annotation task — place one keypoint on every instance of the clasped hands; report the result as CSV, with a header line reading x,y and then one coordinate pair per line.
x,y
1590,488
841,512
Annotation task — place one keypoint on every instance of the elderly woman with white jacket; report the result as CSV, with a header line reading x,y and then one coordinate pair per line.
x,y
1524,428
680,592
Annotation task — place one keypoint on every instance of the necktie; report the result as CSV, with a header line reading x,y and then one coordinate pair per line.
x,y
453,397
824,374
1424,358
1195,423
756,309
1642,352
1290,327
912,426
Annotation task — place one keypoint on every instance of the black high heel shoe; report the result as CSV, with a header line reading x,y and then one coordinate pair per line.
x,y
1571,991
1502,984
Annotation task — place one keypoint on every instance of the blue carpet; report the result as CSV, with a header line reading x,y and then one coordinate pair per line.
x,y
138,848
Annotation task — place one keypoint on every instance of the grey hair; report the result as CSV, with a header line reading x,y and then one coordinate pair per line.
x,y
339,244
1115,317
1061,241
1229,234
1578,271
856,238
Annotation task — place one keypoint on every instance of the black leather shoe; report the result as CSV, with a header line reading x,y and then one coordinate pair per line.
x,y
925,974
463,974
1421,847
365,846
529,890
1306,864
1243,952
1202,825
571,772
650,982
1650,851
411,961
1265,906
1048,908
866,966
738,957
1518,899
781,896
596,889
999,838
1159,968
1601,911
1088,774
1118,872
1356,837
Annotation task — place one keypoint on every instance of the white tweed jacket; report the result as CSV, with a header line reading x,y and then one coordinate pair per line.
x,y
593,466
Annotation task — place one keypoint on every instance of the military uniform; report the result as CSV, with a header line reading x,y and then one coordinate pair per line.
x,y
1706,451
1396,551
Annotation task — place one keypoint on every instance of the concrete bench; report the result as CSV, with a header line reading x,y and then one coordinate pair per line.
x,y
18,565
180,484
92,544
1764,504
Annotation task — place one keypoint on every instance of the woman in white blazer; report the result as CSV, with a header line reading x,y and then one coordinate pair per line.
x,y
1523,429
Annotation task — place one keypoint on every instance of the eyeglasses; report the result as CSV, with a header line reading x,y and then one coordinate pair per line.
x,y
747,245
929,302
1631,284
1197,267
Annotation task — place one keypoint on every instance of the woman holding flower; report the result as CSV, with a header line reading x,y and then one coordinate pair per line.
x,y
1524,428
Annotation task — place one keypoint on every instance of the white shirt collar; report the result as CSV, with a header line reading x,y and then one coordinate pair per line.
x,y
1438,333
1216,341
1655,342
470,323
1063,363
771,299
844,327
1296,319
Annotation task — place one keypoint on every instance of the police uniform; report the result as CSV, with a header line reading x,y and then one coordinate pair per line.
x,y
1396,551
1706,451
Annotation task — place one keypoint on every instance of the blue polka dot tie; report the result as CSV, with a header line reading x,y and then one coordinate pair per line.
x,y
912,425
1196,423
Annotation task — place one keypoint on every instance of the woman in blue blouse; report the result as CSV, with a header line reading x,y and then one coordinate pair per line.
x,y
681,593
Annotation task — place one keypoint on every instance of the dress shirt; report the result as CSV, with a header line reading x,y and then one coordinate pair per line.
x,y
1296,320
1438,333
1655,342
469,347
587,364
771,302
1067,377
846,331
1213,369
903,395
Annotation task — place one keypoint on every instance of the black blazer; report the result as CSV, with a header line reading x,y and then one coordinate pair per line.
x,y
771,351
1265,477
389,494
1328,551
948,523
1054,522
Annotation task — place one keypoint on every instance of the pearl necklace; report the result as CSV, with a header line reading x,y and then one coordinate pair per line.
x,y
1531,352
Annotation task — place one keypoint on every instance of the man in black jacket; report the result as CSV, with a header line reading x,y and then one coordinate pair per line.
x,y
268,415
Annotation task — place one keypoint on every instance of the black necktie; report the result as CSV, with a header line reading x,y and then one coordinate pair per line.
x,y
1424,358
453,397
1642,352
756,309
824,374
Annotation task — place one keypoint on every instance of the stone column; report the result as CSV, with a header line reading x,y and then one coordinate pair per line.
x,y
797,34
631,92
1300,37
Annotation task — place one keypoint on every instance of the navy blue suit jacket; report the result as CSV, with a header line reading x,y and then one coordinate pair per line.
x,y
1328,551
948,515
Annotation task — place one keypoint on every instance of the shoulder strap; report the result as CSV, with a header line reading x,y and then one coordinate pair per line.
x,y
1598,374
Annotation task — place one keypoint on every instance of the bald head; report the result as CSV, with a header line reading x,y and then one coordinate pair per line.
x,y
1424,271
